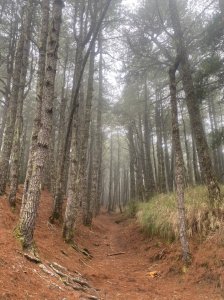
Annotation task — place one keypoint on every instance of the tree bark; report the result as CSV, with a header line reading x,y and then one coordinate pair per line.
x,y
150,182
110,197
194,110
60,169
179,166
99,137
15,152
28,213
45,7
131,163
12,108
160,152
87,209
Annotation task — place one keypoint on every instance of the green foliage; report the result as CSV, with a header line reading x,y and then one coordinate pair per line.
x,y
209,68
159,217
214,32
132,209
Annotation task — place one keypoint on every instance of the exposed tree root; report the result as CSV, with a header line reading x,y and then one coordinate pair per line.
x,y
72,280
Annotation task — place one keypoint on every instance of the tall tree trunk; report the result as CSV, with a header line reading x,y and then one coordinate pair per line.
x,y
90,199
9,65
194,110
150,183
60,169
45,7
140,189
87,213
197,176
131,163
110,199
70,214
29,212
73,190
188,156
215,155
72,137
155,166
160,153
99,137
168,163
12,108
15,152
179,166
119,172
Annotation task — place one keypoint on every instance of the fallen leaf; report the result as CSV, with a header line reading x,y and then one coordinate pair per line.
x,y
153,274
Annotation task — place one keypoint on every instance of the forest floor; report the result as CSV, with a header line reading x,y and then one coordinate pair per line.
x,y
143,268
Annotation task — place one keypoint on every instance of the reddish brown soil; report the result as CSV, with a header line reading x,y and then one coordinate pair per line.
x,y
124,276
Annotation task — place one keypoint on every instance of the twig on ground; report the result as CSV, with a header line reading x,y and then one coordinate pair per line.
x,y
82,250
114,254
85,263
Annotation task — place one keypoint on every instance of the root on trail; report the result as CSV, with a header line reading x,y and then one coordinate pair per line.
x,y
62,274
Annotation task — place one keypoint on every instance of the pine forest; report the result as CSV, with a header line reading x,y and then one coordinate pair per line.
x,y
112,149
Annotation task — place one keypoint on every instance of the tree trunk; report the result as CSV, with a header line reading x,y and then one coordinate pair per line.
x,y
193,109
179,166
60,169
73,191
12,109
71,211
99,137
15,152
87,213
9,66
188,156
110,199
90,198
132,163
150,183
29,212
39,91
160,152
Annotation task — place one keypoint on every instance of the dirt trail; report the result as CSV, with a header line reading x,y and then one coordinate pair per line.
x,y
119,277
126,276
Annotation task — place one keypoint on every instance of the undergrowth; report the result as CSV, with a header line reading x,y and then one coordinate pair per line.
x,y
159,216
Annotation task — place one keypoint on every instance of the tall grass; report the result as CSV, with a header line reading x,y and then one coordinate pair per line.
x,y
159,216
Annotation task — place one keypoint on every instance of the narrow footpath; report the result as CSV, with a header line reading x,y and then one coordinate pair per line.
x,y
125,264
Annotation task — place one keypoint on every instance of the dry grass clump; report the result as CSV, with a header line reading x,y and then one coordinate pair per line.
x,y
159,216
